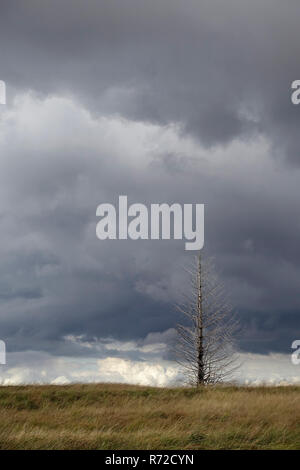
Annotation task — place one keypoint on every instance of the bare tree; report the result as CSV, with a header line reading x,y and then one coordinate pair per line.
x,y
205,348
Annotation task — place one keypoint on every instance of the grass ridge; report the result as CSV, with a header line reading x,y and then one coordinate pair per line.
x,y
115,416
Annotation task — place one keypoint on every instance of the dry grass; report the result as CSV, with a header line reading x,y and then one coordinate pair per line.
x,y
129,417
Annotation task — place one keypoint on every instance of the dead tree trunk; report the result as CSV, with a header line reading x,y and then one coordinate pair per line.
x,y
205,341
200,354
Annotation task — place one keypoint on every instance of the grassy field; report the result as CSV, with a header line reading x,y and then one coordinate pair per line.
x,y
129,417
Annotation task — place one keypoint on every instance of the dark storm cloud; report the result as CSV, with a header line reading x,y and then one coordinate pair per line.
x,y
222,72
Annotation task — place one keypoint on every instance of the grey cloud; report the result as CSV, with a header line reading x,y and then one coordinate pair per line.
x,y
163,101
221,70
86,287
39,367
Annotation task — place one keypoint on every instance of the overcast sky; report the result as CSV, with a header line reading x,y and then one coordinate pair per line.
x,y
163,101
